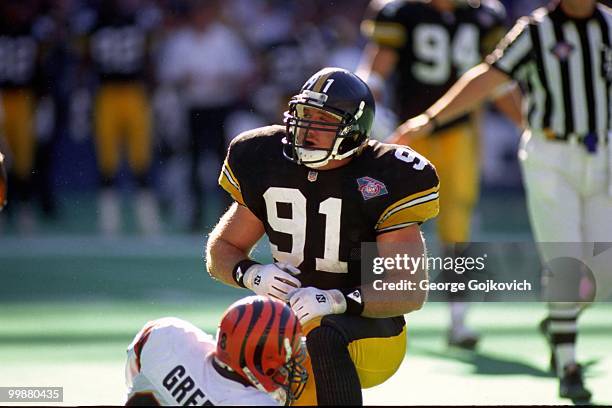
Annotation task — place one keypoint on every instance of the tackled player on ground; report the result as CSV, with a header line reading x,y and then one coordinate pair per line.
x,y
257,359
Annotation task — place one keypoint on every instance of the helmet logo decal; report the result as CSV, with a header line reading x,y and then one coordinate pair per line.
x,y
370,188
360,110
310,83
312,176
327,85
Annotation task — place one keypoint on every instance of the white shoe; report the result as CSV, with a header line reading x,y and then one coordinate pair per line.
x,y
463,337
109,215
147,213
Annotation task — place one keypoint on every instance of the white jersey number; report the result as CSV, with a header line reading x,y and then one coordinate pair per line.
x,y
296,227
409,156
17,58
436,55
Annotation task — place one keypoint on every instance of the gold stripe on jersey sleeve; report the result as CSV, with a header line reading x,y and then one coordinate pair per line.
x,y
413,200
228,181
230,173
411,215
384,33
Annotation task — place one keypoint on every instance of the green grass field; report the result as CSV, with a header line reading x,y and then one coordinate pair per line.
x,y
80,346
69,306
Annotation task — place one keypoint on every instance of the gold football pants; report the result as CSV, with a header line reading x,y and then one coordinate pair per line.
x,y
122,120
18,128
376,346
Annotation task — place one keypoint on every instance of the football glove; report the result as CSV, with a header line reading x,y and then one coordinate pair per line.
x,y
276,280
309,303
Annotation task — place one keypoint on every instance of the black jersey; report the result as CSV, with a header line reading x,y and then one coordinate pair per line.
x,y
118,48
317,220
434,48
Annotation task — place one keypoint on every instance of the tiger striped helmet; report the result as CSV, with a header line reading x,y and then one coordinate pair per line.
x,y
261,339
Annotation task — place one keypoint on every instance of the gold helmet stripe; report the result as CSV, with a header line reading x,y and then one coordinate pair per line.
x,y
318,86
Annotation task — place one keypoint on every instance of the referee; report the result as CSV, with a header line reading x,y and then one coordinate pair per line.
x,y
562,59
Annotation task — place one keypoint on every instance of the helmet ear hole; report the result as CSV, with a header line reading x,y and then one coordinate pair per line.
x,y
270,372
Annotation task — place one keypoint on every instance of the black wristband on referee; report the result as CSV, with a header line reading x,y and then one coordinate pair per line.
x,y
354,301
239,270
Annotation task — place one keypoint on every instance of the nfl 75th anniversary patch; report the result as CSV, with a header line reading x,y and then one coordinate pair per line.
x,y
371,188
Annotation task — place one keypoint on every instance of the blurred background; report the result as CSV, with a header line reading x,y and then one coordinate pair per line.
x,y
176,80
115,116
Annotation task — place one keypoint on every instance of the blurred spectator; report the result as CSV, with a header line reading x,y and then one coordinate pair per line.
x,y
118,46
346,52
210,65
53,26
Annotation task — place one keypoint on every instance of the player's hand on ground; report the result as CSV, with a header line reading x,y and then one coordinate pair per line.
x,y
310,303
412,129
276,280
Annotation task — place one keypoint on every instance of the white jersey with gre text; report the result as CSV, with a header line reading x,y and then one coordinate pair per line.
x,y
170,362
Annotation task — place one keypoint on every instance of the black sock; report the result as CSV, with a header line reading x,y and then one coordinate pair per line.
x,y
562,331
334,372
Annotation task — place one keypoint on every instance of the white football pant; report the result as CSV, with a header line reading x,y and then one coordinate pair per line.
x,y
569,199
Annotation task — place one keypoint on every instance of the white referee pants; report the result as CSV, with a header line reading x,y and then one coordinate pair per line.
x,y
569,200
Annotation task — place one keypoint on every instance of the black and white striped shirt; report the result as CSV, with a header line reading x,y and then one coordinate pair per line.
x,y
564,66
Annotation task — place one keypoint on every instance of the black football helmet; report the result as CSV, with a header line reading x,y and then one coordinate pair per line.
x,y
346,97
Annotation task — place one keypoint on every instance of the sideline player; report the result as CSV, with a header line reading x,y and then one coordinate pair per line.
x,y
21,85
562,57
118,47
319,189
424,47
256,359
